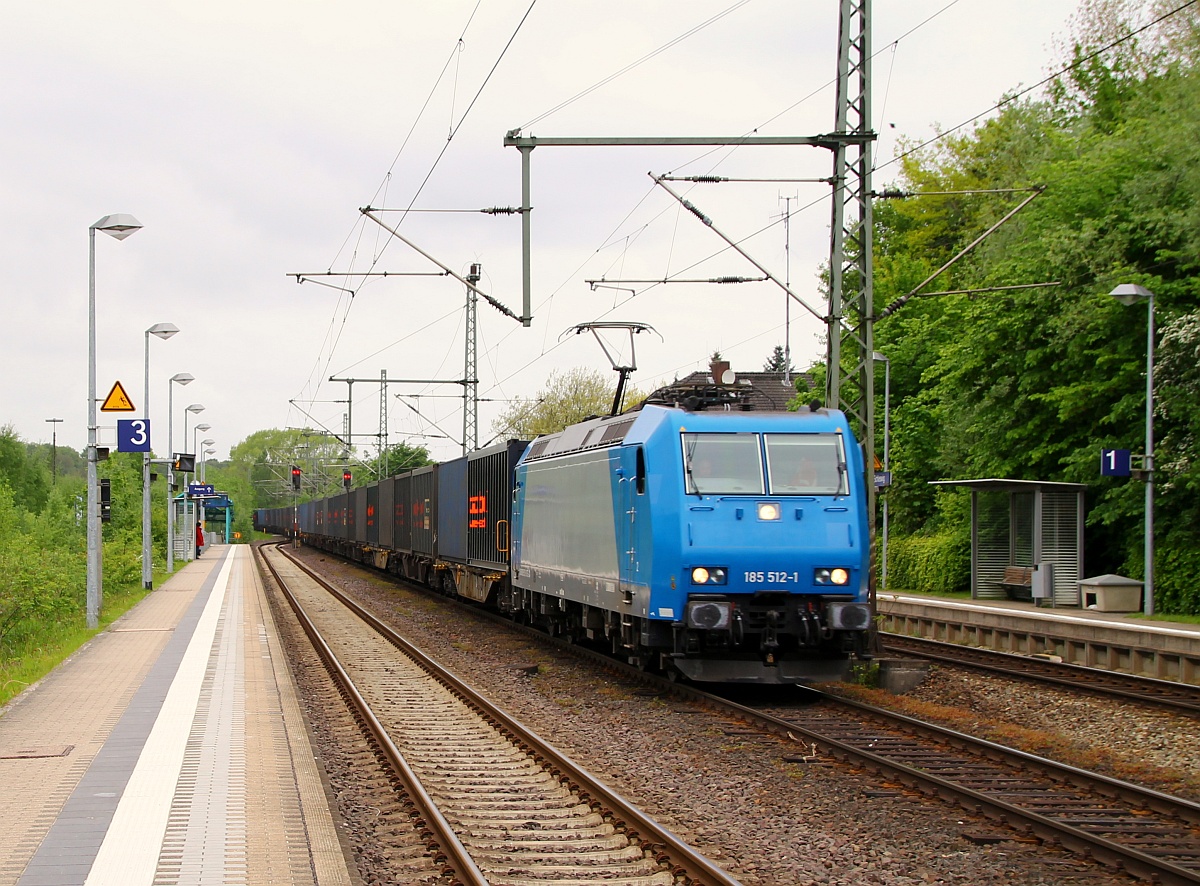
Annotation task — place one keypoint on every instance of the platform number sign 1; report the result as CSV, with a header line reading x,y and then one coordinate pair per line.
x,y
133,435
1114,462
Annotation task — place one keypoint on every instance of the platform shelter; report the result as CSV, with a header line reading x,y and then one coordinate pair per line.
x,y
1026,539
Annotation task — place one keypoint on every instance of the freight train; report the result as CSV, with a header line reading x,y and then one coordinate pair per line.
x,y
716,545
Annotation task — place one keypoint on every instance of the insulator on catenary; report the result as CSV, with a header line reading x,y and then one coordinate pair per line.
x,y
501,210
706,179
729,280
696,212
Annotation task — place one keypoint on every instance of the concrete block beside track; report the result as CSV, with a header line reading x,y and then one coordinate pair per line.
x,y
1104,640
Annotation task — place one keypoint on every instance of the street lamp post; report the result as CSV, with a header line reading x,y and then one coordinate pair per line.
x,y
204,459
887,440
180,378
195,407
118,226
54,423
198,510
196,432
163,331
1129,294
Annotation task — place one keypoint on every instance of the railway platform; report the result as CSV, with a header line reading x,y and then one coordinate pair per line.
x,y
1108,640
170,749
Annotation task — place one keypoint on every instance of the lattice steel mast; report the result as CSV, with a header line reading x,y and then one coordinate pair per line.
x,y
851,322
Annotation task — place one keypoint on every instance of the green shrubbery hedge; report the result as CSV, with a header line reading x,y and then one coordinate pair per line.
x,y
934,564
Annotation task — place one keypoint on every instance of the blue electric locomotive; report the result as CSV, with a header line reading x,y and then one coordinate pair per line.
x,y
718,545
724,546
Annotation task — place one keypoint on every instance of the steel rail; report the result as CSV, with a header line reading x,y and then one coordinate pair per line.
x,y
1117,855
629,820
1133,861
441,840
1181,698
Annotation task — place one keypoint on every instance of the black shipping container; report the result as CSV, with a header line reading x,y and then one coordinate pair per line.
x,y
384,513
422,513
401,513
370,514
337,515
358,515
489,503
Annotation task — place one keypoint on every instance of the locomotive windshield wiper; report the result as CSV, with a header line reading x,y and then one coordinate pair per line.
x,y
689,451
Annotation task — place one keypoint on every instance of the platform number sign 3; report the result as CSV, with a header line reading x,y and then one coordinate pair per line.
x,y
133,435
1114,462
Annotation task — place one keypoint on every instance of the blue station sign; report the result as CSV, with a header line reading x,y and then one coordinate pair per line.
x,y
133,435
1114,462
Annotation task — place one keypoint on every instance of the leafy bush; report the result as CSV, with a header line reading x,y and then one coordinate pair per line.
x,y
35,589
1176,565
936,564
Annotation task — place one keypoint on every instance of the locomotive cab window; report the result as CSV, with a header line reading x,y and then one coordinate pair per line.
x,y
640,472
806,464
722,464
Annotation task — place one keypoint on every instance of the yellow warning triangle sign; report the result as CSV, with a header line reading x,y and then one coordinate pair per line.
x,y
117,400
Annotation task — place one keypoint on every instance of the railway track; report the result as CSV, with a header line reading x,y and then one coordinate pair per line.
x,y
492,801
1180,698
1151,835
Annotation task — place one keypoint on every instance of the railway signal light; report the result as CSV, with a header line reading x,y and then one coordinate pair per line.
x,y
295,477
346,479
105,500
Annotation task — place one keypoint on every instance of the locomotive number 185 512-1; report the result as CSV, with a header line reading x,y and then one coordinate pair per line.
x,y
771,578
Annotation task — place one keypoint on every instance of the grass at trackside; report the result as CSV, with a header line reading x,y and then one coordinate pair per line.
x,y
24,665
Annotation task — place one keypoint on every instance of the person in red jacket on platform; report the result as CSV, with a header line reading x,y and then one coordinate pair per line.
x,y
199,537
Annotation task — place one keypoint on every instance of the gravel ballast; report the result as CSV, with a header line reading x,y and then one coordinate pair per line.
x,y
732,794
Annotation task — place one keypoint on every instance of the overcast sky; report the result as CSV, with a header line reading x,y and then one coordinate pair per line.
x,y
246,135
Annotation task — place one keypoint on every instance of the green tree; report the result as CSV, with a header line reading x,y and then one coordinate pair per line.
x,y
28,478
567,398
265,460
1031,384
398,457
778,361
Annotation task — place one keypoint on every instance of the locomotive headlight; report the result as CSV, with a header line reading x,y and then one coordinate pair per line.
x,y
836,576
710,615
709,575
768,510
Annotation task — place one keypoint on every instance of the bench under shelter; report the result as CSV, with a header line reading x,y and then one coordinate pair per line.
x,y
1026,539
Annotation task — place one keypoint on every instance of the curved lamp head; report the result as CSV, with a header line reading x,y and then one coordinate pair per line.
x,y
1131,293
201,428
195,407
119,225
208,442
163,330
183,378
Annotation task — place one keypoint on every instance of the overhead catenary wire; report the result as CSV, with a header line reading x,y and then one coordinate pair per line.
x,y
490,351
1009,99
441,154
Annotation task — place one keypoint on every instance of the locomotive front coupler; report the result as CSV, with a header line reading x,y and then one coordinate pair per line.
x,y
769,647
